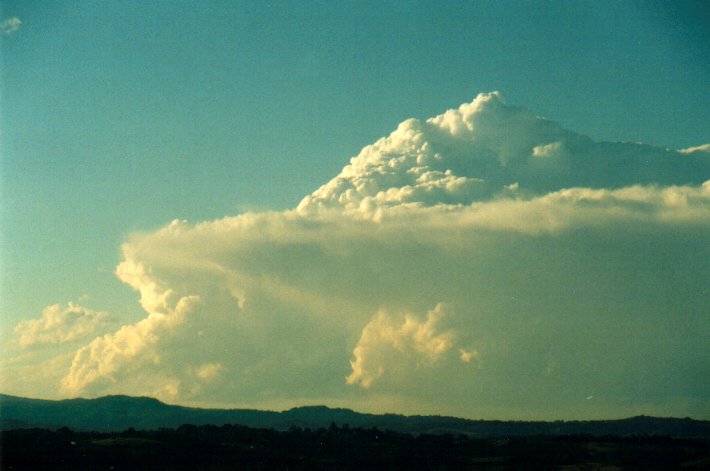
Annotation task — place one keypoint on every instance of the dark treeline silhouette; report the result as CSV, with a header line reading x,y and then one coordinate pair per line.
x,y
210,447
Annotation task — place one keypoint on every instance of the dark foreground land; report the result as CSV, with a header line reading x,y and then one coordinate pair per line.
x,y
210,447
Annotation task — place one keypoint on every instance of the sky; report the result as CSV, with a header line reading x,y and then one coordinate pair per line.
x,y
489,209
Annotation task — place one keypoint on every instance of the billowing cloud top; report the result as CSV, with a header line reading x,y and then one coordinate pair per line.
x,y
484,263
487,149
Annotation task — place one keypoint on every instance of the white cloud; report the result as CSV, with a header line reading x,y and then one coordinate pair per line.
x,y
59,325
209,370
130,348
548,150
475,152
580,269
467,356
600,283
704,148
10,25
386,334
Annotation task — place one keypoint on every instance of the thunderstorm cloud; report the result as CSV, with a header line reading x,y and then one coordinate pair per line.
x,y
485,262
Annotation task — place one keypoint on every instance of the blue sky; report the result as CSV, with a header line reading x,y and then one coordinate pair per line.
x,y
119,117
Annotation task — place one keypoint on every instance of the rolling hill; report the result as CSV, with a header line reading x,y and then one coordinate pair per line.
x,y
117,413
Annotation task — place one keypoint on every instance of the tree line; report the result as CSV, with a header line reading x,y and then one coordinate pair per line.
x,y
210,447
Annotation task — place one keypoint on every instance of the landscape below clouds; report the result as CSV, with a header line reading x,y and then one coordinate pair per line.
x,y
484,263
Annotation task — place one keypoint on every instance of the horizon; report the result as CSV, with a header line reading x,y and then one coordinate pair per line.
x,y
487,209
324,406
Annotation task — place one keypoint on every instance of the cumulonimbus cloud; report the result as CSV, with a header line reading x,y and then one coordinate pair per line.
x,y
568,268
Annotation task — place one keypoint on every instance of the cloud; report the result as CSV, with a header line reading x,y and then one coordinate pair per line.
x,y
575,290
129,349
446,269
10,25
548,150
478,151
59,325
27,373
704,148
209,370
405,334
467,356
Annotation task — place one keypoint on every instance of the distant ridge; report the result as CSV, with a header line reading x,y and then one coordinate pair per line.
x,y
117,413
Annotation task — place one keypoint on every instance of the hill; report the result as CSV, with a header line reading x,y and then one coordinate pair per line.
x,y
117,413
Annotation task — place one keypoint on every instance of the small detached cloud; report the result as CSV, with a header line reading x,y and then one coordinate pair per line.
x,y
547,150
208,370
59,325
10,25
467,356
